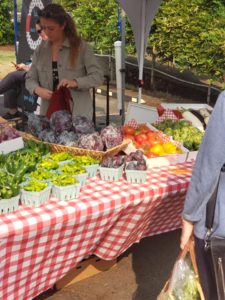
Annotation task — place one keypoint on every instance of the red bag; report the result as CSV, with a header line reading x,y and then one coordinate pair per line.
x,y
61,100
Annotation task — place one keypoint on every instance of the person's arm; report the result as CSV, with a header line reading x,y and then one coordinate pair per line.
x,y
32,80
22,67
94,76
210,159
187,230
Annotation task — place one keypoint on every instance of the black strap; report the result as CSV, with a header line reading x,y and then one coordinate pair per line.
x,y
210,208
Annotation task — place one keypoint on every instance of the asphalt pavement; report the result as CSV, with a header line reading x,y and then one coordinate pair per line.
x,y
139,274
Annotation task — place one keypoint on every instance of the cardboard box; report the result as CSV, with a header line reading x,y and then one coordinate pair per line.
x,y
86,268
11,145
161,160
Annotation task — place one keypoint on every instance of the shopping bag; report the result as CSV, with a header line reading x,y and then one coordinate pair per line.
x,y
183,283
61,100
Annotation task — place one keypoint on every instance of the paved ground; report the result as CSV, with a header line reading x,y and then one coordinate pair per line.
x,y
139,274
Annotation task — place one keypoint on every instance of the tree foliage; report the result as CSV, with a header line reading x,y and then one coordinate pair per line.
x,y
191,35
6,28
97,22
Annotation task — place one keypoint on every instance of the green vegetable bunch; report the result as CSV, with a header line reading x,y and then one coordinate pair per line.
x,y
41,174
35,186
63,180
61,156
48,164
73,169
182,131
189,291
85,160
9,186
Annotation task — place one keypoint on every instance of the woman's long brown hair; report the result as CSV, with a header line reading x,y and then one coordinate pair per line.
x,y
57,13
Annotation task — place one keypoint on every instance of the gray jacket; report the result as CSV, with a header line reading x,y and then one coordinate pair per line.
x,y
210,159
86,72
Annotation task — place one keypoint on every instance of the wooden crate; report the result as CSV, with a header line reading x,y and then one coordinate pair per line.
x,y
85,269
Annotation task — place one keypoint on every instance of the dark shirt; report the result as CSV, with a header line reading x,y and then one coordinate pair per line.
x,y
55,75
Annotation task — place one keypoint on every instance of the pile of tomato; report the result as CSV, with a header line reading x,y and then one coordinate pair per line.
x,y
149,141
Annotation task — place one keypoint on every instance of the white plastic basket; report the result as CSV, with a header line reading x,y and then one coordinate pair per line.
x,y
91,169
136,176
82,178
111,174
9,205
35,199
64,162
66,193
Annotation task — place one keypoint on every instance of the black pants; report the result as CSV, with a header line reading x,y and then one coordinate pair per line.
x,y
12,86
206,273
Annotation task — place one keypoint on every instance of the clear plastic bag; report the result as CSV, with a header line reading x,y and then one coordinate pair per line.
x,y
183,283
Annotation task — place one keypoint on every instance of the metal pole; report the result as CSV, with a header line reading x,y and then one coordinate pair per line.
x,y
123,33
94,106
15,23
107,99
142,51
208,94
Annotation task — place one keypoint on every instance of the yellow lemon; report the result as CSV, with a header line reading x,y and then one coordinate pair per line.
x,y
157,149
170,148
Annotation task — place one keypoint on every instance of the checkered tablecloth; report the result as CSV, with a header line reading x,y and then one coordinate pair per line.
x,y
39,245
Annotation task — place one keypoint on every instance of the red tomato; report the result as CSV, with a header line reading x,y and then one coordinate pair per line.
x,y
140,138
150,134
128,130
143,128
146,145
154,138
136,144
158,138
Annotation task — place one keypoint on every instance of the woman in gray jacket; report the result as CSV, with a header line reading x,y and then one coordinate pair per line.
x,y
64,60
208,167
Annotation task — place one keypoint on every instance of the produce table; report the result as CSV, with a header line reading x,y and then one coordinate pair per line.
x,y
39,245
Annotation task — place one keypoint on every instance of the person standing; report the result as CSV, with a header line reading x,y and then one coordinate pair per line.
x,y
13,84
64,60
208,169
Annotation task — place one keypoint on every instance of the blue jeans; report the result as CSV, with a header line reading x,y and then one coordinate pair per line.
x,y
12,86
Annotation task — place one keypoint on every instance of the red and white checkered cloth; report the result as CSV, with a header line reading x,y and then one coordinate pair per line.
x,y
133,123
40,245
167,114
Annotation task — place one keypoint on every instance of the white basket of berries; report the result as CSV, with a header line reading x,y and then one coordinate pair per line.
x,y
136,167
111,168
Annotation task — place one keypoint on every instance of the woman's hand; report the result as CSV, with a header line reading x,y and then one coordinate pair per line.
x,y
43,93
187,230
22,67
67,83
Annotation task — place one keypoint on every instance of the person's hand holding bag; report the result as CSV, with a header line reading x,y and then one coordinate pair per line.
x,y
67,83
187,230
